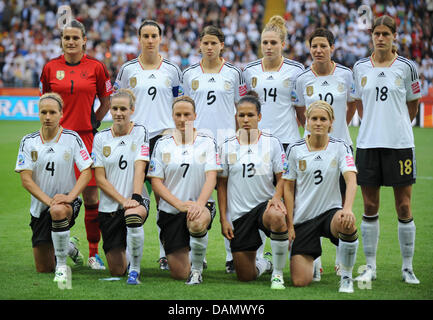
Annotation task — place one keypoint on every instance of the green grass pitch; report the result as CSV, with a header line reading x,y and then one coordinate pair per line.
x,y
19,280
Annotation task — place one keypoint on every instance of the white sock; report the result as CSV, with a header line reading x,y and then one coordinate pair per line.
x,y
198,251
135,244
337,255
262,265
61,246
161,247
261,249
72,251
406,237
279,255
347,257
370,231
229,256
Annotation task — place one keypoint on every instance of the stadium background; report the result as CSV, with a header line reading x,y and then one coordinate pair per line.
x,y
29,37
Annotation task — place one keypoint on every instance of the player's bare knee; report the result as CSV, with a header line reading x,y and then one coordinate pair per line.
x,y
277,220
58,212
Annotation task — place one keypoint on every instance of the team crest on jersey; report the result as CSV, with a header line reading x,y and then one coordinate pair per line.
x,y
363,81
168,82
194,84
254,82
84,74
106,151
227,85
340,87
232,158
202,157
286,83
133,147
166,157
267,158
34,155
60,74
398,81
310,91
334,163
302,165
133,82
67,156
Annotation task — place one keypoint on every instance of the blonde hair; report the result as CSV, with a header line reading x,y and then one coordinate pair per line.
x,y
323,105
124,93
277,24
54,96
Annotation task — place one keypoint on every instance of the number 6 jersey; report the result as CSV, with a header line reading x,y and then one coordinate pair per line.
x,y
317,175
117,155
52,163
384,92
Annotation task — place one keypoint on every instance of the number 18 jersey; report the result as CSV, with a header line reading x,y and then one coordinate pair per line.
x,y
384,92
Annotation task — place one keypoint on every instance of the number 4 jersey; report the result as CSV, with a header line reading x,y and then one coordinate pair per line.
x,y
117,155
52,163
317,175
384,92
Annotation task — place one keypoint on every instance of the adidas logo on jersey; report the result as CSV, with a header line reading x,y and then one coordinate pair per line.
x,y
382,75
212,80
185,153
325,83
318,158
50,150
270,78
122,143
250,151
152,76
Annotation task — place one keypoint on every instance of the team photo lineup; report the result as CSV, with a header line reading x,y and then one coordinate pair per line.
x,y
263,146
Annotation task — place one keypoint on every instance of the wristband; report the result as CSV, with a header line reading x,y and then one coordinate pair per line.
x,y
137,197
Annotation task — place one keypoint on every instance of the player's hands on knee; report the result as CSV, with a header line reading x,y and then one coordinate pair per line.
x,y
130,203
346,219
195,210
61,199
278,204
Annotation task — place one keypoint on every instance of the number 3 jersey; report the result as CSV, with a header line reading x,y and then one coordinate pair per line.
x,y
384,92
317,175
183,167
52,163
117,155
250,171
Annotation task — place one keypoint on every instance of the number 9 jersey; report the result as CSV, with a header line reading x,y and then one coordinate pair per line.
x,y
317,175
384,92
52,163
117,155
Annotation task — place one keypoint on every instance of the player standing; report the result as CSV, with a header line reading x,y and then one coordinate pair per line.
x,y
331,82
46,165
79,79
246,194
312,174
215,85
389,92
155,82
183,168
121,153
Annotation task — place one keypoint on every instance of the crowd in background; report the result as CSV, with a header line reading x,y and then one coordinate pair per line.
x,y
29,33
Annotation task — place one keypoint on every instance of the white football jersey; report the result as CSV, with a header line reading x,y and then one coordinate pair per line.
x,y
317,175
337,89
384,92
215,95
183,167
154,91
275,91
250,171
117,156
52,163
